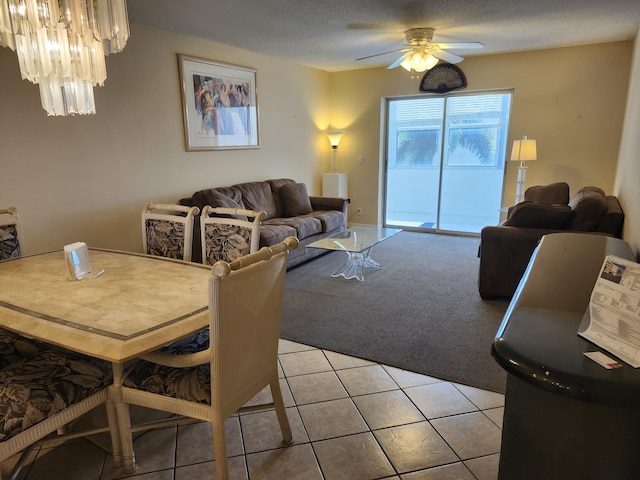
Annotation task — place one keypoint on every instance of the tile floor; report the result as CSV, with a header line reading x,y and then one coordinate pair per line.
x,y
352,419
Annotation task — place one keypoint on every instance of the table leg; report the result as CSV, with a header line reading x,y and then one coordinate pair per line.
x,y
128,459
116,442
356,261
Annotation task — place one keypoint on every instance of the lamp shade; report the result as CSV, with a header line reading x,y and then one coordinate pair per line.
x,y
419,61
334,138
524,150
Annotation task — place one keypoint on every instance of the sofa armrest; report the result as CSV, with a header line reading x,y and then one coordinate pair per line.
x,y
504,255
536,215
330,203
613,219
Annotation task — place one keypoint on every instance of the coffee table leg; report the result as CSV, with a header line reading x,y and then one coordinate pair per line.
x,y
353,267
370,262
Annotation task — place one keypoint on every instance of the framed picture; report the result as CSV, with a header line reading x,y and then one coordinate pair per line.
x,y
220,105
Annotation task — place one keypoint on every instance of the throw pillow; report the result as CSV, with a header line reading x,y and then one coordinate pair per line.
x,y
222,200
295,199
216,199
529,214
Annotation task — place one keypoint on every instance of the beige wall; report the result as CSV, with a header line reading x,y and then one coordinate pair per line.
x,y
86,178
628,174
571,100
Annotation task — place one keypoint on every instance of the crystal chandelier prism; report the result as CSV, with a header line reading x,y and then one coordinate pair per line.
x,y
61,46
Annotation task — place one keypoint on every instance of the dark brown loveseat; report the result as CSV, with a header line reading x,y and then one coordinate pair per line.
x,y
505,249
290,211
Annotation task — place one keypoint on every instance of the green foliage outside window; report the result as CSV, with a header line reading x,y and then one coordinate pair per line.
x,y
418,147
422,147
480,141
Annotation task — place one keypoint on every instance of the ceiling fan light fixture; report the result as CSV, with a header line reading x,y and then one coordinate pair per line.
x,y
420,54
419,61
419,36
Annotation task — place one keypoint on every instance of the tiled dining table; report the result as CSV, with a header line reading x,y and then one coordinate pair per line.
x,y
137,305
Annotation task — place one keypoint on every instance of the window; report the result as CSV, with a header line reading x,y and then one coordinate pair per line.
x,y
445,160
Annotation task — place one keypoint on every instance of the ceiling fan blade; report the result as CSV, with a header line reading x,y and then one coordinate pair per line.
x,y
385,53
460,45
446,56
399,60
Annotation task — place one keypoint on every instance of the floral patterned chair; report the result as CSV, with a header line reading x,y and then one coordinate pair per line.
x,y
228,233
10,234
43,389
240,360
167,230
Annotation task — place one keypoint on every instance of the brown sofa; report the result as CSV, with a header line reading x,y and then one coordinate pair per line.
x,y
290,211
505,249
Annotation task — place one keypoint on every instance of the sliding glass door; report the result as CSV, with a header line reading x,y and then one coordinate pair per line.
x,y
444,165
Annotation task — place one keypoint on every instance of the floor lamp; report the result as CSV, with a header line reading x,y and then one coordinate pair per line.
x,y
523,150
334,139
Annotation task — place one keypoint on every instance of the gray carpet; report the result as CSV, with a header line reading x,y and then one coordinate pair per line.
x,y
421,312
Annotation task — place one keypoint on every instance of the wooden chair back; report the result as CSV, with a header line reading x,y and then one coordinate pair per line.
x,y
167,230
11,242
229,233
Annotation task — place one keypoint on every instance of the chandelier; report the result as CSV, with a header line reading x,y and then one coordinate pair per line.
x,y
61,46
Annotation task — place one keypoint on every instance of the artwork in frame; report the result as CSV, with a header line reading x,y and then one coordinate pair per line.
x,y
220,106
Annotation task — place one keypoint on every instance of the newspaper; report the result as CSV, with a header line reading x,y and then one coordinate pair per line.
x,y
612,320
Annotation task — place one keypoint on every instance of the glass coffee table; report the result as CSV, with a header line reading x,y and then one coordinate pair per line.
x,y
357,243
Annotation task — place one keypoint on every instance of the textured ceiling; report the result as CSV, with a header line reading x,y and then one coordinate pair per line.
x,y
331,34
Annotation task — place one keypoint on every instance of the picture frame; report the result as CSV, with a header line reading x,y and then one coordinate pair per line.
x,y
219,103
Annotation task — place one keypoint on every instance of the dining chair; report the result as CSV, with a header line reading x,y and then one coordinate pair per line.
x,y
45,392
11,243
229,233
245,309
167,230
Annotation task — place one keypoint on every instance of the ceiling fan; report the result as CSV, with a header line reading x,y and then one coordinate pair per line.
x,y
420,54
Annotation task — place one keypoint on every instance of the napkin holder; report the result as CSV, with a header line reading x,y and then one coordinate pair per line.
x,y
78,262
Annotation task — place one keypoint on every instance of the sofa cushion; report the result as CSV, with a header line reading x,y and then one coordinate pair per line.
x,y
274,234
552,193
305,226
329,219
538,215
259,197
295,199
588,206
218,197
